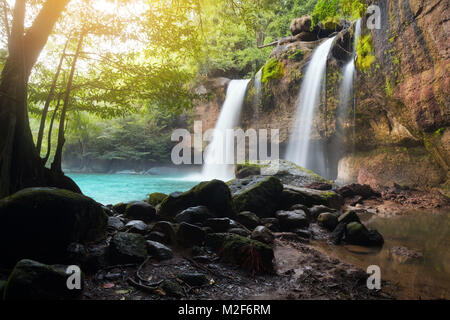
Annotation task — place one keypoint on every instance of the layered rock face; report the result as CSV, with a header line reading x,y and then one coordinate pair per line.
x,y
397,130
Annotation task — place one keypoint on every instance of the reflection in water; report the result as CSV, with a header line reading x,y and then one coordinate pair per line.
x,y
425,232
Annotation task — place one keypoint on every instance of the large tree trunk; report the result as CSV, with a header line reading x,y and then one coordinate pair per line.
x,y
20,164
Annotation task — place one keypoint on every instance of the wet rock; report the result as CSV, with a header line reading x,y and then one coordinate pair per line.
x,y
316,197
319,186
120,207
259,194
240,231
357,233
338,233
248,219
140,210
96,257
213,194
290,198
249,254
349,216
315,211
290,220
115,223
166,228
194,279
194,215
189,235
172,288
302,233
405,255
39,223
137,226
127,248
355,189
32,280
218,224
159,251
327,220
156,236
272,223
156,198
263,234
108,210
246,170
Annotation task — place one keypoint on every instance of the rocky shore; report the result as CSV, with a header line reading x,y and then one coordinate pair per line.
x,y
248,238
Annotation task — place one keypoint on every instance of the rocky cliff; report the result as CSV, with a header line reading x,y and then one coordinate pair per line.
x,y
397,130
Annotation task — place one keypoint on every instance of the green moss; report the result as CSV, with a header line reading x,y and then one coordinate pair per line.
x,y
156,198
365,53
297,55
272,70
388,88
439,131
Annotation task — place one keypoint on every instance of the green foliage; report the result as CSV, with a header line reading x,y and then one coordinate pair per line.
x,y
388,88
297,55
273,70
329,12
365,53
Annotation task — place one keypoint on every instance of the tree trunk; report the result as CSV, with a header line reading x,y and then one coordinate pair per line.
x,y
20,164
49,99
56,165
50,129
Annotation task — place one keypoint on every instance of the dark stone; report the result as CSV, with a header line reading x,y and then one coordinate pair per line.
x,y
349,216
240,231
76,254
166,228
263,234
327,220
172,288
290,220
338,233
31,280
189,235
127,248
156,198
156,236
39,223
120,207
319,186
96,258
272,223
194,215
137,226
259,194
356,233
318,209
115,223
140,210
213,194
218,224
248,219
159,251
302,233
355,189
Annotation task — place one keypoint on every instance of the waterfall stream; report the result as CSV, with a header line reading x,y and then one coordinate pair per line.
x,y
298,149
219,155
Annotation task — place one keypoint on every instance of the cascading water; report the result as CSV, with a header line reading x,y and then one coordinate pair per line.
x,y
257,96
299,142
218,164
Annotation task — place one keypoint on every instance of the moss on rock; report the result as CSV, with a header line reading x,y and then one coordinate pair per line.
x,y
156,198
272,70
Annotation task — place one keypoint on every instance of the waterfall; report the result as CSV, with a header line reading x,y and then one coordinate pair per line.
x,y
218,163
298,149
257,97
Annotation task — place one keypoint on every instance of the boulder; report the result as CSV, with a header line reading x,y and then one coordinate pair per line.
x,y
140,210
357,233
167,229
76,254
272,223
39,223
249,254
328,220
263,234
338,233
159,251
127,248
302,24
349,216
315,211
316,197
218,224
259,194
137,226
246,170
239,231
120,207
115,223
96,257
156,236
156,198
290,220
194,215
32,280
248,219
172,288
189,235
213,194
355,189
